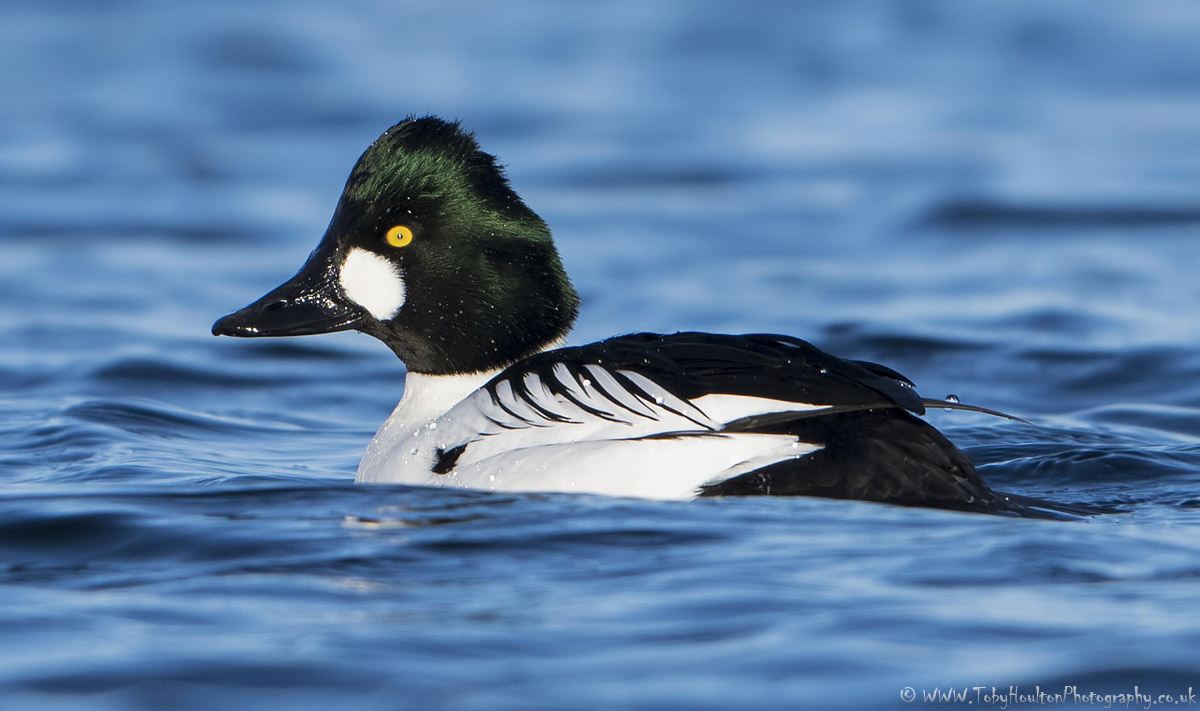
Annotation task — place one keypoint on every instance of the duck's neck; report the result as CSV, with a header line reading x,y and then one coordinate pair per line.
x,y
427,397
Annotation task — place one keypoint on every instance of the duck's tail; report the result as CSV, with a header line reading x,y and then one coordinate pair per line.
x,y
956,405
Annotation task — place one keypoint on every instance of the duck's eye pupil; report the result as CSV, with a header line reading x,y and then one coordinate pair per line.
x,y
400,236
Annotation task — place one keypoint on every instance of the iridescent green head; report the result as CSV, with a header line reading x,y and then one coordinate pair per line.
x,y
430,251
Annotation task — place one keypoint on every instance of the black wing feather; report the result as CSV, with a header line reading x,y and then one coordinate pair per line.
x,y
872,448
692,365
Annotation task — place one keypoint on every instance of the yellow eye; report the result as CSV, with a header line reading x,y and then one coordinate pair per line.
x,y
400,236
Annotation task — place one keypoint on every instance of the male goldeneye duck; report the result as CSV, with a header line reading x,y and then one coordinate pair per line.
x,y
430,251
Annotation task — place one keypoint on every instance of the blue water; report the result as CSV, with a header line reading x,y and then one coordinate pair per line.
x,y
997,199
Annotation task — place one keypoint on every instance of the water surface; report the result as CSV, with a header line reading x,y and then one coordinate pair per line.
x,y
996,199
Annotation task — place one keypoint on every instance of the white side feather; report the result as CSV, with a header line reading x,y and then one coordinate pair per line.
x,y
649,443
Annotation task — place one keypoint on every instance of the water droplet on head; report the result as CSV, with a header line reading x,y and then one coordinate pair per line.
x,y
659,400
824,371
951,398
433,425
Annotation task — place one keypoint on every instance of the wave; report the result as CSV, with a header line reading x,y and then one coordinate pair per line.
x,y
984,214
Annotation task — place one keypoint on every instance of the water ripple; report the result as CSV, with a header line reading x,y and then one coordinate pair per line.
x,y
968,215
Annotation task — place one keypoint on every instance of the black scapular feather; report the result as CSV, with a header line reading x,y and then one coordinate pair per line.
x,y
692,365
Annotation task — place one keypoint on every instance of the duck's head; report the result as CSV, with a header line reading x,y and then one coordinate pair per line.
x,y
430,251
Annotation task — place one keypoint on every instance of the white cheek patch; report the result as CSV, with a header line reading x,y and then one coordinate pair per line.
x,y
373,283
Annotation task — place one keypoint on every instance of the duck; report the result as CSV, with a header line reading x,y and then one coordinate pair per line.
x,y
432,252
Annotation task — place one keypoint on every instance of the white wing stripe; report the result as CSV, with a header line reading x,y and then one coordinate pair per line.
x,y
667,400
511,405
548,406
614,391
576,392
726,408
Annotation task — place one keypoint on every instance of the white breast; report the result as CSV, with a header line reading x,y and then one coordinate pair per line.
x,y
426,399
